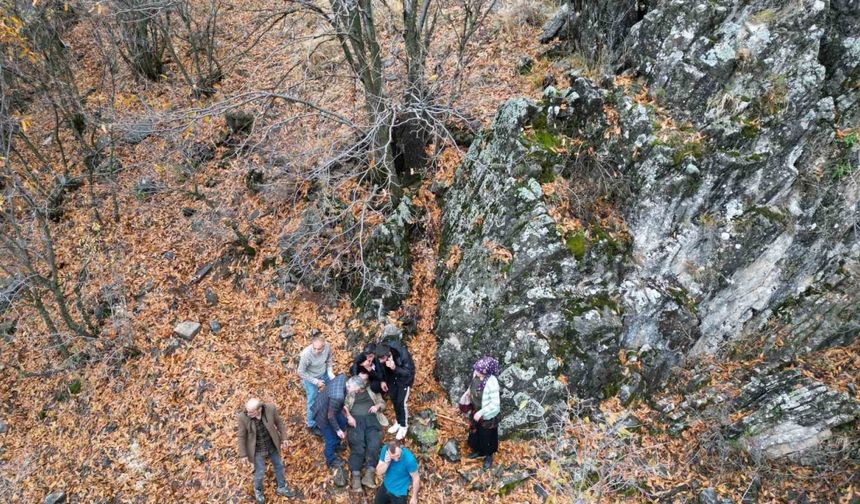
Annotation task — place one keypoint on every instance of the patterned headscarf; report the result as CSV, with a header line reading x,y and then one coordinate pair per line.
x,y
487,366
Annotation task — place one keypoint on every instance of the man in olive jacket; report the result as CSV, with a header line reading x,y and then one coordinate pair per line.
x,y
262,434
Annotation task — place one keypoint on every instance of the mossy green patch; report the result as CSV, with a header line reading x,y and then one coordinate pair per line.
x,y
683,299
577,244
840,171
75,387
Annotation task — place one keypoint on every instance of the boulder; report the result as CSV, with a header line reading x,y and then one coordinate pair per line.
x,y
214,326
210,296
136,132
187,330
450,451
286,333
554,25
3,427
516,288
56,498
389,267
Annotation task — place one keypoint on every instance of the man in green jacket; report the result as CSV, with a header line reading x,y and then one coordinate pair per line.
x,y
262,434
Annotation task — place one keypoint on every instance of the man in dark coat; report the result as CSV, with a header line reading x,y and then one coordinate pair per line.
x,y
262,435
329,417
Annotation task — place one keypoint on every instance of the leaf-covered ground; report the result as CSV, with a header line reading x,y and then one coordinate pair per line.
x,y
132,426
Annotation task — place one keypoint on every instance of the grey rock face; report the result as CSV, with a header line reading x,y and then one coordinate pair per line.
x,y
790,413
518,292
778,227
388,263
742,211
187,330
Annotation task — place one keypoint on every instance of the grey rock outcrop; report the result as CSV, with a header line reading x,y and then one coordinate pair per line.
x,y
740,209
789,414
554,25
388,262
518,292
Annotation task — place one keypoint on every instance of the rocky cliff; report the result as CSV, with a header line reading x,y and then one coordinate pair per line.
x,y
721,167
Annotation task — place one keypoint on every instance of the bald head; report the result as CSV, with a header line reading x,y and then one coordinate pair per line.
x,y
252,407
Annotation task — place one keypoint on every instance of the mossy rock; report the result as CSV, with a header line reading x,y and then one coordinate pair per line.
x,y
426,437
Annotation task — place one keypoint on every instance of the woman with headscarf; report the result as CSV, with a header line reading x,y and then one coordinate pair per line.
x,y
481,403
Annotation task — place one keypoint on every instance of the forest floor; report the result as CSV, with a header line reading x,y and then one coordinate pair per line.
x,y
160,425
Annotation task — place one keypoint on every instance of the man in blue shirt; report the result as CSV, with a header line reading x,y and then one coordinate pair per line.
x,y
398,469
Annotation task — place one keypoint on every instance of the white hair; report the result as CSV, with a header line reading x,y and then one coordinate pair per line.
x,y
252,404
357,382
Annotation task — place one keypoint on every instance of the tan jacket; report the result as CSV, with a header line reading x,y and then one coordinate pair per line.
x,y
248,431
377,401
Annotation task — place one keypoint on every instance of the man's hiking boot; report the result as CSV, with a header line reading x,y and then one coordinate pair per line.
x,y
258,496
394,428
369,478
356,481
285,491
401,433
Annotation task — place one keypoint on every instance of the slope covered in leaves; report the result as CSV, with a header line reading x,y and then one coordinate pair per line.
x,y
138,416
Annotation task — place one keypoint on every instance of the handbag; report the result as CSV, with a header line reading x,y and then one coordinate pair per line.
x,y
465,404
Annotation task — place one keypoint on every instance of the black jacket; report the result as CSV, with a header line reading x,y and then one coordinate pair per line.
x,y
403,373
375,375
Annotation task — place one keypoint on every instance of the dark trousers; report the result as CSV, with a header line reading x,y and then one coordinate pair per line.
x,y
365,441
330,438
399,394
484,437
260,469
383,497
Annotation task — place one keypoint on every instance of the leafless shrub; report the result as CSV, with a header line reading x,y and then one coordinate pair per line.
x,y
514,14
593,455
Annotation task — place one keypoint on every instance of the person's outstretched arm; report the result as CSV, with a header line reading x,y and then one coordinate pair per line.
x,y
416,483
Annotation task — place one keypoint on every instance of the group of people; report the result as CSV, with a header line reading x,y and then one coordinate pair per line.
x,y
351,408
